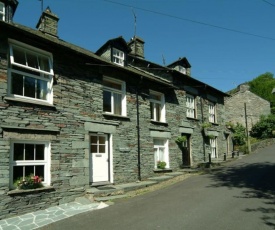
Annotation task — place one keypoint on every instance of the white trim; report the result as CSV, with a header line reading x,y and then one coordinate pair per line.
x,y
122,92
212,112
190,106
118,56
166,151
38,53
2,5
160,102
46,162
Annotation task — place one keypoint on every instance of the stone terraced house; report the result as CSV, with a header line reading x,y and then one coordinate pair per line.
x,y
255,107
78,119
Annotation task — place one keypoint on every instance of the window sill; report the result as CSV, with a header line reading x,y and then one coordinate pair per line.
x,y
29,191
29,101
116,116
215,124
162,170
159,123
193,119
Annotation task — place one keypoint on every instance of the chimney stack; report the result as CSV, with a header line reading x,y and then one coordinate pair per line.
x,y
48,23
137,46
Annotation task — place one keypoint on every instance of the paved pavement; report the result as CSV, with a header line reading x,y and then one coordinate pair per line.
x,y
45,217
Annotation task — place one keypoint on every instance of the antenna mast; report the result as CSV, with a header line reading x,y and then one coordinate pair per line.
x,y
41,5
135,31
135,18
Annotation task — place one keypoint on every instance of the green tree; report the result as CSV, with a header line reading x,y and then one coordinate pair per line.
x,y
238,136
263,86
264,128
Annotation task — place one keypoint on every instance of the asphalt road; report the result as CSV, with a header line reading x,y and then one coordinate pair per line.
x,y
239,196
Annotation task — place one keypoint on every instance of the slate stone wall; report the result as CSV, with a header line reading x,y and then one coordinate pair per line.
x,y
255,107
77,111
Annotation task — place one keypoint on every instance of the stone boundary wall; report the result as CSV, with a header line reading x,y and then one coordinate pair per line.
x,y
262,144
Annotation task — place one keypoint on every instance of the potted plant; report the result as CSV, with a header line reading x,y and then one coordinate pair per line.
x,y
29,182
161,164
181,140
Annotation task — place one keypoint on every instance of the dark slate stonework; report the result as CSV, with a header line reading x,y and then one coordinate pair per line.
x,y
255,107
77,111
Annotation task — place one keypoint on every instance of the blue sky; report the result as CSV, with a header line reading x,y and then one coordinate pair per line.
x,y
200,30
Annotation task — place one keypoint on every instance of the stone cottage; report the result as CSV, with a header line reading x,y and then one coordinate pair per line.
x,y
255,107
77,119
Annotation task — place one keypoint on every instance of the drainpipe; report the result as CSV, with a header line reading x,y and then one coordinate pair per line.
x,y
138,133
202,117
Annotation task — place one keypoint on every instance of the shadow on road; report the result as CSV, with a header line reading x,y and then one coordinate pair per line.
x,y
258,180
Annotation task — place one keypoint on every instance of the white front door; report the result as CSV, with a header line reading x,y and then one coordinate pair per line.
x,y
99,158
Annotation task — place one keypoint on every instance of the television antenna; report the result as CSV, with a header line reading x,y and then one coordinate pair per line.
x,y
42,1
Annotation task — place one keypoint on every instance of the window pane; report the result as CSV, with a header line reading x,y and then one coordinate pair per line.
x,y
41,90
107,106
29,87
161,154
93,139
44,63
16,84
17,172
39,171
39,154
32,60
101,140
102,148
93,148
155,97
29,152
29,170
158,112
117,104
112,85
19,56
1,7
18,152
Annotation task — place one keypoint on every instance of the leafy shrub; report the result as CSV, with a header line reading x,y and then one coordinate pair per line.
x,y
264,128
238,136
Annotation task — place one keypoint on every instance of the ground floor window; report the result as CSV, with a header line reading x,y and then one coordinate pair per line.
x,y
30,159
161,151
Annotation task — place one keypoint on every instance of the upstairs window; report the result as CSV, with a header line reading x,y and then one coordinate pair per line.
x,y
114,98
118,57
30,73
157,106
182,69
190,106
212,112
213,147
2,11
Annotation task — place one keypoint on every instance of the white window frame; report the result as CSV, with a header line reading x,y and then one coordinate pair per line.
x,y
213,147
2,13
191,106
31,72
165,147
153,106
113,91
46,162
182,69
118,56
212,112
